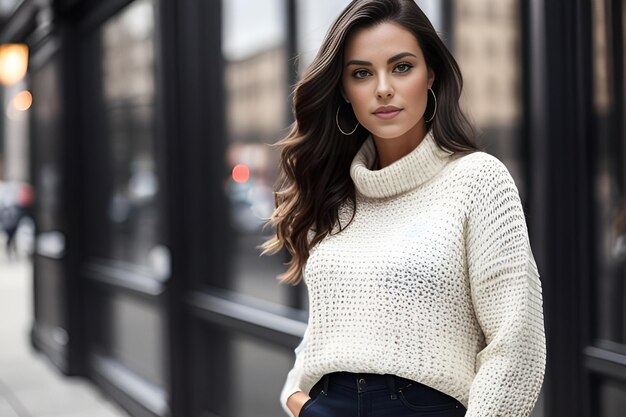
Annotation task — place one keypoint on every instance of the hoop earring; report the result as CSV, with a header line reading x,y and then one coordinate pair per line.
x,y
435,111
337,121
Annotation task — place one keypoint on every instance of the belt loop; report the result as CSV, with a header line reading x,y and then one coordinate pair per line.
x,y
391,382
326,380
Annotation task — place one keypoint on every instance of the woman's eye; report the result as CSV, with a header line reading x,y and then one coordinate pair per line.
x,y
360,74
404,67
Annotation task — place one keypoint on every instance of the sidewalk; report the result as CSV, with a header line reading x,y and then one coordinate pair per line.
x,y
29,385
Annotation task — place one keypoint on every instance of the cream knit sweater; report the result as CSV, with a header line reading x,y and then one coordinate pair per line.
x,y
434,280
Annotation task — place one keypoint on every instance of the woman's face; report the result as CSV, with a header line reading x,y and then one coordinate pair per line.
x,y
384,66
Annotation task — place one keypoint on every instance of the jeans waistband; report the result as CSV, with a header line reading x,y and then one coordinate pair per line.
x,y
363,382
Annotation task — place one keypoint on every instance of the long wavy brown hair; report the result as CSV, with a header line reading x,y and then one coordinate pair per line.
x,y
314,179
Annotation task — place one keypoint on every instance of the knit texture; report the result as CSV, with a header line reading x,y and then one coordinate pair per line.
x,y
434,280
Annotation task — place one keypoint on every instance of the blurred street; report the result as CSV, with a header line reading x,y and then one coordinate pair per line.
x,y
29,385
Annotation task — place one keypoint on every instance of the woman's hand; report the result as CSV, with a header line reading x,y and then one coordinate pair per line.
x,y
296,401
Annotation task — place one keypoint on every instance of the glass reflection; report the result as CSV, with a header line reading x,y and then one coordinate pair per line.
x,y
486,39
609,177
612,398
257,371
131,331
128,177
7,7
47,113
255,76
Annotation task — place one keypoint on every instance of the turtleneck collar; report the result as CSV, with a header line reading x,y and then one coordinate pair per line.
x,y
403,175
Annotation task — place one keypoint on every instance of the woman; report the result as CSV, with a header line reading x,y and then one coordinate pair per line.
x,y
425,298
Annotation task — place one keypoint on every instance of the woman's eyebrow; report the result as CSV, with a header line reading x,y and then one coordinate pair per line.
x,y
389,61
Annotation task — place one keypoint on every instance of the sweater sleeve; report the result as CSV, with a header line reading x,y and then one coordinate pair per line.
x,y
507,298
294,376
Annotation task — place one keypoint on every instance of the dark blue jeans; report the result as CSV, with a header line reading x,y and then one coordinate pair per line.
x,y
346,394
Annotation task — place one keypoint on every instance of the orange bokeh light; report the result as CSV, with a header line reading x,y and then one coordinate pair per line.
x,y
23,100
241,173
13,63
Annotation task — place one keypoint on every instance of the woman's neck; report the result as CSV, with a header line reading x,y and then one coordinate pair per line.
x,y
389,150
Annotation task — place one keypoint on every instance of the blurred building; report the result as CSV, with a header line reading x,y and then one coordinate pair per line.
x,y
147,143
487,44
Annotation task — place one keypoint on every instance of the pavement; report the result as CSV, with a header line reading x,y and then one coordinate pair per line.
x,y
29,385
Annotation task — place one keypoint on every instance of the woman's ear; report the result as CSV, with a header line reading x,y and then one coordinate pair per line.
x,y
431,77
343,93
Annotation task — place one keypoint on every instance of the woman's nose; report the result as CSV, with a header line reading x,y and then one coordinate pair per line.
x,y
384,88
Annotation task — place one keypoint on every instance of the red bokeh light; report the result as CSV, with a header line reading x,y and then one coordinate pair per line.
x,y
241,173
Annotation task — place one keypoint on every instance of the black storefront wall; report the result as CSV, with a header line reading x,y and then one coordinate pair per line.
x,y
195,94
556,119
127,348
563,137
605,352
192,96
74,292
187,82
57,328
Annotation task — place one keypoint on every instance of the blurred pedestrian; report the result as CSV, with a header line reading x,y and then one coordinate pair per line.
x,y
16,198
424,292
9,219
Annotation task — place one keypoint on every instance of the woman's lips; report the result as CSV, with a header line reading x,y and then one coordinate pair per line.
x,y
388,114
